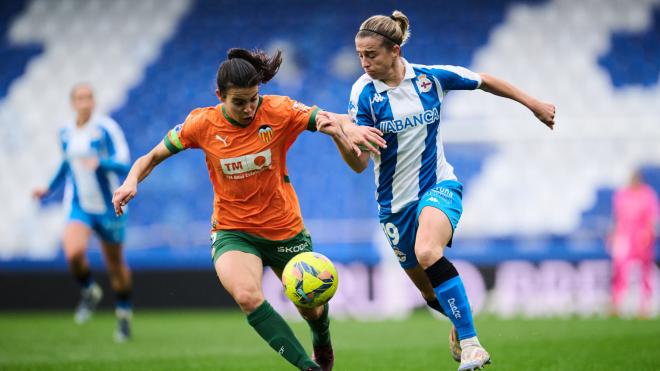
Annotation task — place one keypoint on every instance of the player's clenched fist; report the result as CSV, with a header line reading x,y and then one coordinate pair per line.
x,y
545,112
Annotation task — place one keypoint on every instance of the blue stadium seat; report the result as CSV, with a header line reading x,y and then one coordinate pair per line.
x,y
633,57
13,58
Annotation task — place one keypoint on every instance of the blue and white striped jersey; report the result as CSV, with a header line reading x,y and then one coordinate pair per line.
x,y
409,117
91,190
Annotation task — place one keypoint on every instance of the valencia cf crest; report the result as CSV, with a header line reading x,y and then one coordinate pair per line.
x,y
266,133
423,83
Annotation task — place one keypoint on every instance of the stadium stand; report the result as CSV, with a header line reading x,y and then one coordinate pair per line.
x,y
529,193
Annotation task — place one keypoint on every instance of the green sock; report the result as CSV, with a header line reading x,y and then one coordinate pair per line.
x,y
321,328
272,328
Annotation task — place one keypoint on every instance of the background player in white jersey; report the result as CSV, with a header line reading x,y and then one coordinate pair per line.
x,y
95,153
418,194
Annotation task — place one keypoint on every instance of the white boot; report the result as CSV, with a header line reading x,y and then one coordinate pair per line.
x,y
89,299
473,355
124,317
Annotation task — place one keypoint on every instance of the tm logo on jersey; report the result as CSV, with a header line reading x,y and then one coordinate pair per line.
x,y
245,166
394,126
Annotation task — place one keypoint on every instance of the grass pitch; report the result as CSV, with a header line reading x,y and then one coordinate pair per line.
x,y
222,340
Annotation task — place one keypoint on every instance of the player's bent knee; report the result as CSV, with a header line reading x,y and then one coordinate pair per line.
x,y
248,299
76,256
427,253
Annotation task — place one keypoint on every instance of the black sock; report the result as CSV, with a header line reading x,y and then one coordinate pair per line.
x,y
84,279
123,299
441,271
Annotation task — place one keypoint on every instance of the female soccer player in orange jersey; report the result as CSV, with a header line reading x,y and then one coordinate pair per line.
x,y
256,216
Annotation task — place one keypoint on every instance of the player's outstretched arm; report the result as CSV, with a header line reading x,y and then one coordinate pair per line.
x,y
41,192
140,170
349,138
544,111
364,137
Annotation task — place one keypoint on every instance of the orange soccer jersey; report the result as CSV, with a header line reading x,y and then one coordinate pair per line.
x,y
247,165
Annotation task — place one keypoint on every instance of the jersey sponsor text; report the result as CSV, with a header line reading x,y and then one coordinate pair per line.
x,y
427,117
245,166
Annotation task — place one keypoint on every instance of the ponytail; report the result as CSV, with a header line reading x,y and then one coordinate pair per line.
x,y
244,68
393,29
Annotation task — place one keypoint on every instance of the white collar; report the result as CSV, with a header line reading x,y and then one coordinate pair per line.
x,y
410,74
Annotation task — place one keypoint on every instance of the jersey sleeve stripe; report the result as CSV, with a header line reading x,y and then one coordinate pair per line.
x,y
174,136
311,125
455,77
172,142
117,141
359,107
170,146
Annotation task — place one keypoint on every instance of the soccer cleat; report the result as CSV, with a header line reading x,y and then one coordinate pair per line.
x,y
124,317
313,369
473,356
90,298
454,344
324,356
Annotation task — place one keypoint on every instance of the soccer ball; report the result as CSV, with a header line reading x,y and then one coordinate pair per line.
x,y
309,279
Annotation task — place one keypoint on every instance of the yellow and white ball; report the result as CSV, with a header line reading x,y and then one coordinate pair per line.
x,y
310,279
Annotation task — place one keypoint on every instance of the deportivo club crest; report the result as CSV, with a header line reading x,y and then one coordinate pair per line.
x,y
423,83
400,255
266,133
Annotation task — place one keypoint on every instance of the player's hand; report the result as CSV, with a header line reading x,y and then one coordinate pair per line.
x,y
331,124
123,195
327,123
39,193
366,138
545,112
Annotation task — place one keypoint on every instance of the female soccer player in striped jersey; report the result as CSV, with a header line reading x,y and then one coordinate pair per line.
x,y
95,153
256,217
418,194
